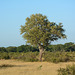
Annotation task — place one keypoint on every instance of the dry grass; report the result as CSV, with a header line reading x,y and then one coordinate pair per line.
x,y
31,68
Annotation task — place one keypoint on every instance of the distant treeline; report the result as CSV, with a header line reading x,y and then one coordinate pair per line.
x,y
27,48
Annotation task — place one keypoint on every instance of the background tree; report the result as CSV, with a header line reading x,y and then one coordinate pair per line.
x,y
39,31
11,49
26,48
69,46
2,49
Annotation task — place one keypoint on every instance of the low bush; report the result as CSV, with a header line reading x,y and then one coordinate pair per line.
x,y
69,70
4,55
29,56
34,56
59,56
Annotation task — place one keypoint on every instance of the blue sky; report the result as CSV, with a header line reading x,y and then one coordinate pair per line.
x,y
14,12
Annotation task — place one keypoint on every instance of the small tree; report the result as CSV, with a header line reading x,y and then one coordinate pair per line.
x,y
39,31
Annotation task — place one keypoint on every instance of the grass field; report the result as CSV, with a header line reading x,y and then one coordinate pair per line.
x,y
31,68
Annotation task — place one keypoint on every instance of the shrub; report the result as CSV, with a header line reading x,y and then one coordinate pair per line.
x,y
4,56
59,56
54,57
29,56
69,70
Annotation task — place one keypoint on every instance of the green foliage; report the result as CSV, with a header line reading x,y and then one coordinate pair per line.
x,y
11,49
52,48
4,56
48,56
26,48
39,30
29,56
14,55
2,49
69,70
59,56
69,46
22,48
60,47
53,53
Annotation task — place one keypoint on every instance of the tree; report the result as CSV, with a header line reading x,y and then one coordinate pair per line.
x,y
69,46
39,31
11,49
2,49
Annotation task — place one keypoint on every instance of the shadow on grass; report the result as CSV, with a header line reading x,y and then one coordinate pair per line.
x,y
8,65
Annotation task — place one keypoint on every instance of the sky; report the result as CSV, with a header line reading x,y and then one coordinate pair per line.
x,y
14,12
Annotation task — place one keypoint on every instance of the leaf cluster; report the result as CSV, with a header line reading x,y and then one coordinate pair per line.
x,y
39,30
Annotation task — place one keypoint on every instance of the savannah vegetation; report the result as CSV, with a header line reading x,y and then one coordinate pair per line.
x,y
39,33
53,53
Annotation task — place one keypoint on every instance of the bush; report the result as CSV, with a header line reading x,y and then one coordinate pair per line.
x,y
59,56
4,56
69,70
29,56
54,57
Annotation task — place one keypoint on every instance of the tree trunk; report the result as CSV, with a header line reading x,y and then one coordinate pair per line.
x,y
41,50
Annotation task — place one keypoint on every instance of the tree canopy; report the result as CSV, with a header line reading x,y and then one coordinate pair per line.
x,y
39,30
